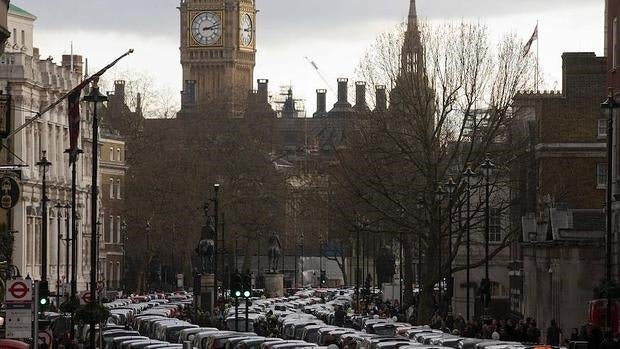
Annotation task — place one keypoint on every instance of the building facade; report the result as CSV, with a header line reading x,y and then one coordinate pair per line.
x,y
560,180
33,84
113,170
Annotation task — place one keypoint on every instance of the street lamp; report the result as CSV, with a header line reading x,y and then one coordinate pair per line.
x,y
96,98
440,194
44,164
450,187
609,105
124,267
58,206
420,206
468,174
485,285
216,190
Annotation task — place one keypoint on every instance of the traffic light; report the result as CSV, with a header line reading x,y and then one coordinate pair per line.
x,y
236,286
44,292
247,284
323,277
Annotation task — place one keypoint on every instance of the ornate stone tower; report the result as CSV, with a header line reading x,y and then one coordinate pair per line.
x,y
412,52
218,55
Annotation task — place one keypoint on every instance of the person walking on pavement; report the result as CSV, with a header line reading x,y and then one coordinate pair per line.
x,y
553,334
339,317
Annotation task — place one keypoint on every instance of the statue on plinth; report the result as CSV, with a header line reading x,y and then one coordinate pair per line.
x,y
274,252
206,245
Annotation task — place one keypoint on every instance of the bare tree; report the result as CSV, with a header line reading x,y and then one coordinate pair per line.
x,y
450,104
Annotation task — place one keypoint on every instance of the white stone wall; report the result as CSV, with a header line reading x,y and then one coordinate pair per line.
x,y
34,84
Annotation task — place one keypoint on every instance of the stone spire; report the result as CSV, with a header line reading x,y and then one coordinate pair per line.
x,y
413,16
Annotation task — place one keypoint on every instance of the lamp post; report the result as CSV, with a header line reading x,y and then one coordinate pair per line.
x,y
440,194
468,174
609,104
68,240
96,98
58,206
216,190
420,207
357,267
124,267
43,165
485,285
302,259
450,187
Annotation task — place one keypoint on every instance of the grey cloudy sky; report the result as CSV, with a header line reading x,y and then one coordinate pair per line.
x,y
334,33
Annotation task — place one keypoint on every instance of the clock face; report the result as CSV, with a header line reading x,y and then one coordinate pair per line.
x,y
207,28
246,30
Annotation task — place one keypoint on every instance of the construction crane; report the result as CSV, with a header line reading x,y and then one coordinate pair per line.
x,y
318,71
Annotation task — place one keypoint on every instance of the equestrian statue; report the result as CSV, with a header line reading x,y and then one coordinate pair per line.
x,y
274,252
206,245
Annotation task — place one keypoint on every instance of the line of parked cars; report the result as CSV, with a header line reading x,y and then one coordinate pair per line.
x,y
305,320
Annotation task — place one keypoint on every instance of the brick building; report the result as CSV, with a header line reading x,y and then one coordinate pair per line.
x,y
560,175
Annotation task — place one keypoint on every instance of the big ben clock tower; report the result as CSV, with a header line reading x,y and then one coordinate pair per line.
x,y
218,55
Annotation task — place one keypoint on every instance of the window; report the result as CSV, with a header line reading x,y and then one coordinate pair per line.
x,y
14,36
111,237
111,188
601,176
495,226
118,229
118,154
111,154
118,189
602,128
23,38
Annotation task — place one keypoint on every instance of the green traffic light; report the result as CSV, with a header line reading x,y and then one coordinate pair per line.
x,y
237,293
246,294
43,301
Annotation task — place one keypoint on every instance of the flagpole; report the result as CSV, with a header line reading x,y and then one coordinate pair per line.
x,y
63,97
537,55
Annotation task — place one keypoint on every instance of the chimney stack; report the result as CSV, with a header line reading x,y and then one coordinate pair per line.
x,y
263,91
321,104
343,90
77,63
119,90
381,98
360,97
342,108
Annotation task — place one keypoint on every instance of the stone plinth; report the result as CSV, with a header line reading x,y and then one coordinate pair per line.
x,y
274,285
204,300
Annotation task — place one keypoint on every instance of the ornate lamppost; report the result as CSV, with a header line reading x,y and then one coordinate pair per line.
x,y
439,196
450,187
43,165
485,285
468,174
609,105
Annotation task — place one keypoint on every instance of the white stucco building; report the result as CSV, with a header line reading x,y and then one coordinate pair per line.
x,y
34,83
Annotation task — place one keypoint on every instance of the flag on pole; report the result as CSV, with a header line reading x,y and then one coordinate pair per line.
x,y
74,123
528,45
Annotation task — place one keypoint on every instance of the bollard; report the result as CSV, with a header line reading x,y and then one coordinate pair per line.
x,y
187,345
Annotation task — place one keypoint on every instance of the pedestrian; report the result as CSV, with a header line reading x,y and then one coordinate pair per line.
x,y
574,335
553,334
339,317
533,333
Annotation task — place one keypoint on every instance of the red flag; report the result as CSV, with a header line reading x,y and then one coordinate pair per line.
x,y
528,46
74,123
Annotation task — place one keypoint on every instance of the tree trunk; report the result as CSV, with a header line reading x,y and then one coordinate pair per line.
x,y
425,305
408,271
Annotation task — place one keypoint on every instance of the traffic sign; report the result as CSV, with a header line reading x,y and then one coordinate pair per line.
x,y
9,192
85,298
45,337
19,291
18,323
